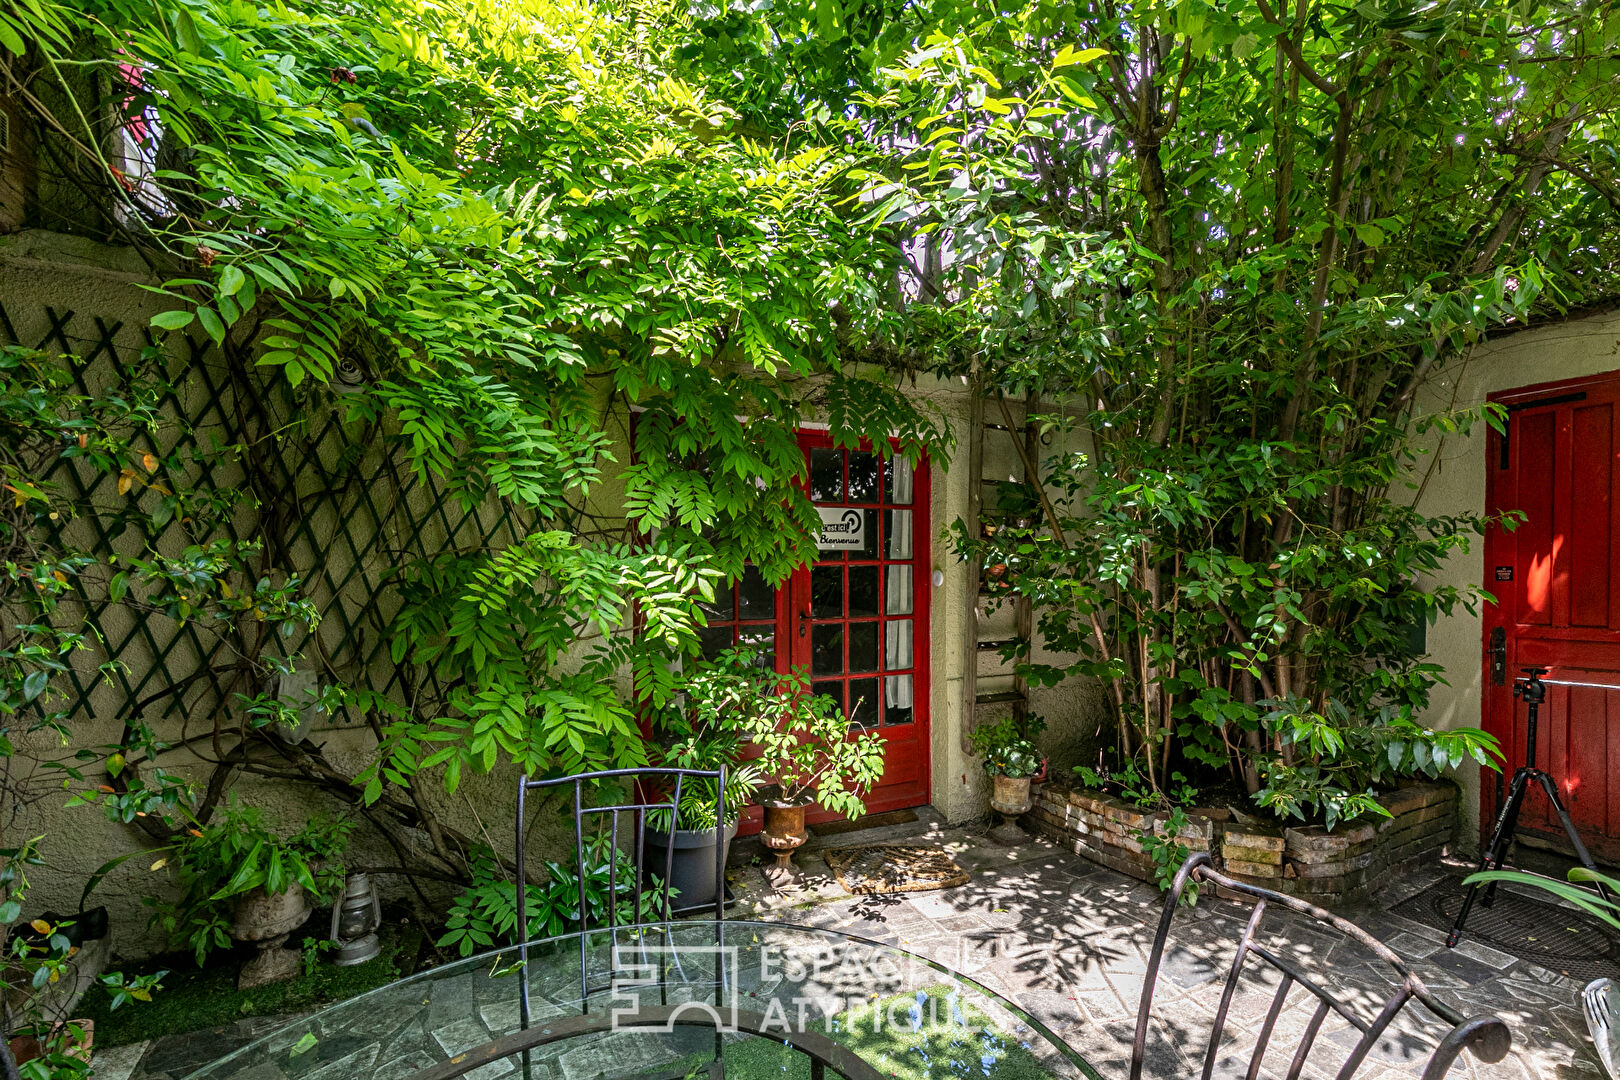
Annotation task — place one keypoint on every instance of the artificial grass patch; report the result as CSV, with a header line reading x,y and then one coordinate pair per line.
x,y
196,999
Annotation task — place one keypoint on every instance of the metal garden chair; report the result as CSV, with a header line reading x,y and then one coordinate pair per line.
x,y
823,1053
641,782
1485,1037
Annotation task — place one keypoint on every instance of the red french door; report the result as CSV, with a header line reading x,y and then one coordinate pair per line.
x,y
1557,583
858,616
856,619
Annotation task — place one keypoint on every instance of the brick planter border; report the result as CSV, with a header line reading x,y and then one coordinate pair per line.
x,y
1309,862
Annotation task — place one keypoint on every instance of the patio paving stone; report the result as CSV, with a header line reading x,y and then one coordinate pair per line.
x,y
1066,940
1069,940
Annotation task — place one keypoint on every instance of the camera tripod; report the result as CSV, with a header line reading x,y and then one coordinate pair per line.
x,y
1533,689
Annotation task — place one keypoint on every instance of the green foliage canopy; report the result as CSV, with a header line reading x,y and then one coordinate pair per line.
x,y
1234,242
500,226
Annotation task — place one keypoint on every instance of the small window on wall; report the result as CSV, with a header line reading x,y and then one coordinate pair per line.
x,y
741,615
136,149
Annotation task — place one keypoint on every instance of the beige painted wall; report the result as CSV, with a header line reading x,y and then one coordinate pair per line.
x,y
1073,710
1451,480
40,271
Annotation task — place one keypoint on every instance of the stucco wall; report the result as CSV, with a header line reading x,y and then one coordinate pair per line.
x,y
1451,480
43,272
1073,709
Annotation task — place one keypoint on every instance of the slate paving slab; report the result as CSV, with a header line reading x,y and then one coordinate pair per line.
x,y
1069,939
1065,939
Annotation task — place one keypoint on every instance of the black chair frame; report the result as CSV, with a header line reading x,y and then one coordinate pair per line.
x,y
637,809
1486,1037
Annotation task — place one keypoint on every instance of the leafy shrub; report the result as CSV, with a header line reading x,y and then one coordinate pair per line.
x,y
806,748
484,915
1340,765
235,854
703,728
1006,748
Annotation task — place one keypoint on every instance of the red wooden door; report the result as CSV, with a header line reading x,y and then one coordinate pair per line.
x,y
858,619
1557,583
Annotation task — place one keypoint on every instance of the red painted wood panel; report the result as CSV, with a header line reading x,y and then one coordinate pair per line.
x,y
1534,436
1611,768
1561,610
1589,534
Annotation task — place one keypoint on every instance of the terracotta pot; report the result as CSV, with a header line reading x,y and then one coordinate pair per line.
x,y
784,829
1040,777
25,1048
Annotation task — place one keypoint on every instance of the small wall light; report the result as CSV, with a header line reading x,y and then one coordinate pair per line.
x,y
938,578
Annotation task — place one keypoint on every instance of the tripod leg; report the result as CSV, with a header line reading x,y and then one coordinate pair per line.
x,y
1551,788
1491,858
1517,790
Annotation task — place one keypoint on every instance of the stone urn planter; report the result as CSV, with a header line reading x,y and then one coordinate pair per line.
x,y
1009,798
266,921
692,865
784,829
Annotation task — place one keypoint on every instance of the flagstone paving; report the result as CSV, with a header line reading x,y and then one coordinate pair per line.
x,y
1068,941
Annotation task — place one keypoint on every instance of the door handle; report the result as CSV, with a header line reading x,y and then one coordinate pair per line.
x,y
804,623
1498,656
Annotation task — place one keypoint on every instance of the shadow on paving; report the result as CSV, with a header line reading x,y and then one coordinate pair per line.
x,y
1069,941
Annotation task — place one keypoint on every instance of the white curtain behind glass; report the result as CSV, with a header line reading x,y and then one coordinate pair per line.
x,y
897,654
899,580
897,688
899,591
903,479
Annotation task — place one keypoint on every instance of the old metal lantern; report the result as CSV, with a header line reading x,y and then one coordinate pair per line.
x,y
355,919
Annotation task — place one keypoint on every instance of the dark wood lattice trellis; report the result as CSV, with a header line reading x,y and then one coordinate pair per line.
x,y
346,508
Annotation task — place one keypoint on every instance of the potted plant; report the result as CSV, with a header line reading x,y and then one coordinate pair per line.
x,y
243,882
807,756
63,1049
1011,760
701,729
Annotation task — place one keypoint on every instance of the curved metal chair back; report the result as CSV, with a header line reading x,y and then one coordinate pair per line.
x,y
675,782
1485,1037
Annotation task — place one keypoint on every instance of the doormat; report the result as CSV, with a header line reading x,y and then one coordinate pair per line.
x,y
874,821
893,868
1557,938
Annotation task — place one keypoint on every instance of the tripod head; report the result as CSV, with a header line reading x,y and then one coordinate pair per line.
x,y
1531,688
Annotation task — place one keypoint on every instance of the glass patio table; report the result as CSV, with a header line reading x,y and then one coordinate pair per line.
x,y
739,1000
